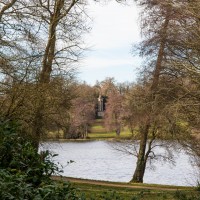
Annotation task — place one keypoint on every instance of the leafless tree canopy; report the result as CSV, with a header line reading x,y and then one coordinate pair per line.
x,y
40,44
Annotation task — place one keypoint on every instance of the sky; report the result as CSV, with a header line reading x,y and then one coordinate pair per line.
x,y
115,28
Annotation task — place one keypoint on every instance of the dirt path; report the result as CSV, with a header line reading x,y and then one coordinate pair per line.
x,y
121,185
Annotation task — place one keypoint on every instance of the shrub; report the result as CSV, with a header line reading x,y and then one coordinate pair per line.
x,y
26,174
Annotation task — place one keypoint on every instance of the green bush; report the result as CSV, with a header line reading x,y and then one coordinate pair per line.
x,y
26,174
18,155
14,186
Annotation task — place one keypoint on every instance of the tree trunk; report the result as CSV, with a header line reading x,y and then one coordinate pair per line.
x,y
37,128
86,131
161,53
38,121
141,161
45,73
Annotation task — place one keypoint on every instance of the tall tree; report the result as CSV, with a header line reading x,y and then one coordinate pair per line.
x,y
53,16
159,30
40,40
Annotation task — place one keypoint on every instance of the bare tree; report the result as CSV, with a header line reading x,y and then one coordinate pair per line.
x,y
82,112
113,118
153,99
41,41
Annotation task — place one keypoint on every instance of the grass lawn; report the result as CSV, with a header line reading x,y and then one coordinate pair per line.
x,y
55,134
104,190
97,131
96,192
109,135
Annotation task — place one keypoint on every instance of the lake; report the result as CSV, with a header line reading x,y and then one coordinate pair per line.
x,y
98,160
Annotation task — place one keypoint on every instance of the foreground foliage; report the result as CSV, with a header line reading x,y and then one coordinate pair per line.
x,y
15,186
24,173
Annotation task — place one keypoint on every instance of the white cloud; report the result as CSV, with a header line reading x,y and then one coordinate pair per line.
x,y
100,63
115,29
113,25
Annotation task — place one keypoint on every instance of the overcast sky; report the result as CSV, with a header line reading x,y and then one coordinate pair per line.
x,y
115,28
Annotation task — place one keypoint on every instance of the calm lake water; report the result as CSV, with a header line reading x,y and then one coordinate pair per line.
x,y
99,161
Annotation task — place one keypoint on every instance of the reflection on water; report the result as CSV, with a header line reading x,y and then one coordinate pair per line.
x,y
99,161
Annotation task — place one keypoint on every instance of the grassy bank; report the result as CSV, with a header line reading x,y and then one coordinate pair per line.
x,y
102,190
109,192
97,131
